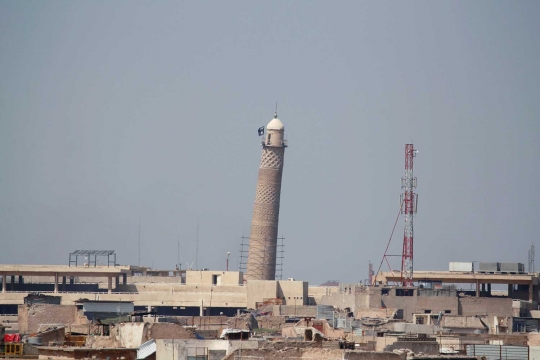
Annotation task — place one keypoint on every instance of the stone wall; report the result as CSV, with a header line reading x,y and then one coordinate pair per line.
x,y
437,304
168,331
368,298
471,306
491,308
31,317
420,304
270,322
316,293
53,336
291,310
426,347
340,301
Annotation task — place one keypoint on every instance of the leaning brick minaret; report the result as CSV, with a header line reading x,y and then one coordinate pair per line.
x,y
261,264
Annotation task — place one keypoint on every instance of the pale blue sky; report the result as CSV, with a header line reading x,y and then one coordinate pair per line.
x,y
111,111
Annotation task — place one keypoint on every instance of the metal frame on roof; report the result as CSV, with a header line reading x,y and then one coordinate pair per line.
x,y
88,255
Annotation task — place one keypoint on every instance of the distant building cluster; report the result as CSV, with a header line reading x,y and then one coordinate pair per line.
x,y
134,312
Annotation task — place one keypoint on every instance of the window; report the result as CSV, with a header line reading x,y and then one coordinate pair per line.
x,y
427,311
404,292
447,311
268,139
197,353
385,292
420,320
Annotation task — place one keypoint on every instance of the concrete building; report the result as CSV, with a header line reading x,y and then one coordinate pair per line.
x,y
189,293
520,286
261,264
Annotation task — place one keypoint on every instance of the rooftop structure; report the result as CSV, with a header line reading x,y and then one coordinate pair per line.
x,y
479,279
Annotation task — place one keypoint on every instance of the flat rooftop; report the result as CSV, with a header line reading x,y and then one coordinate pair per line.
x,y
64,270
460,277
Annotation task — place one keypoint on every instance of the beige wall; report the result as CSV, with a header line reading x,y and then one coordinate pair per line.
x,y
206,277
170,294
257,290
159,295
289,290
317,292
340,301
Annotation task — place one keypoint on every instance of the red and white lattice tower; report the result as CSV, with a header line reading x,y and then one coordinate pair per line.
x,y
409,202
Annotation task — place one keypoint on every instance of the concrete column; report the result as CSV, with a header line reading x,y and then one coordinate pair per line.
x,y
124,279
4,276
117,281
477,288
55,282
109,285
201,311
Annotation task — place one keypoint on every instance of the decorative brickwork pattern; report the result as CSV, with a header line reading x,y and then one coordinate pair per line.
x,y
261,264
272,158
267,194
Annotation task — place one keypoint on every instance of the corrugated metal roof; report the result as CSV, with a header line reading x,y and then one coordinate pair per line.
x,y
496,352
146,349
93,252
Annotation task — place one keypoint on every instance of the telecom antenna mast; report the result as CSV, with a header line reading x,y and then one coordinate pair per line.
x,y
531,259
409,201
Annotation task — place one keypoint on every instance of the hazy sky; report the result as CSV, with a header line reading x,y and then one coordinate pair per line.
x,y
111,112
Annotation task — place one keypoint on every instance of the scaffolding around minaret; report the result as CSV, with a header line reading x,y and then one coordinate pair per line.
x,y
261,263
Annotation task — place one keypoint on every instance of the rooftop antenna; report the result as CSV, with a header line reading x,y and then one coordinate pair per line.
x,y
409,200
139,262
178,257
197,247
275,114
531,259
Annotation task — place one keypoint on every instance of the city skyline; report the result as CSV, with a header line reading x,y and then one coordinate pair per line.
x,y
113,114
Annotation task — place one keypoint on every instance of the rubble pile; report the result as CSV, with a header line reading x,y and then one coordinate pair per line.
x,y
169,331
240,322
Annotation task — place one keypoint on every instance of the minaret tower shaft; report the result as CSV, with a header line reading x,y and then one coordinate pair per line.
x,y
261,264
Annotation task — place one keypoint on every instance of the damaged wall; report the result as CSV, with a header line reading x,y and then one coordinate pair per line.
x,y
132,335
31,317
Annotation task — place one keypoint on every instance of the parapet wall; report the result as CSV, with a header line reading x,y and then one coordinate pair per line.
x,y
315,354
